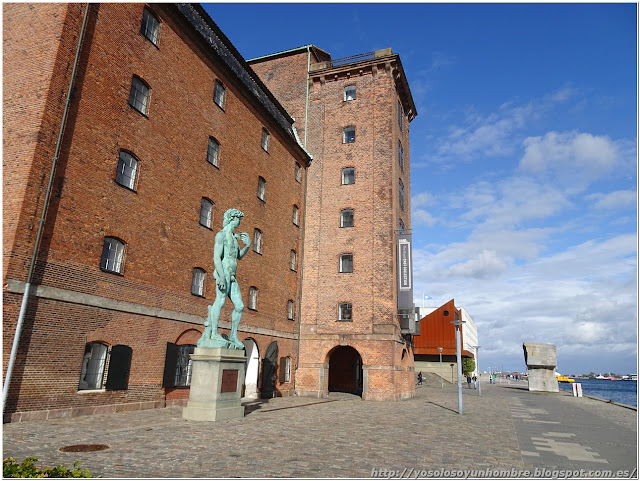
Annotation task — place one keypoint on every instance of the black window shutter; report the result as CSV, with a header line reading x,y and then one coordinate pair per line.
x,y
283,369
170,362
119,368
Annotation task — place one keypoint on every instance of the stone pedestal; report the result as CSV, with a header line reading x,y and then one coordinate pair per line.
x,y
541,363
217,376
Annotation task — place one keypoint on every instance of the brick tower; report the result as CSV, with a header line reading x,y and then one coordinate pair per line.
x,y
353,116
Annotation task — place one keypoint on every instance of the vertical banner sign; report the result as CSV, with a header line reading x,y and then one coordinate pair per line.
x,y
405,273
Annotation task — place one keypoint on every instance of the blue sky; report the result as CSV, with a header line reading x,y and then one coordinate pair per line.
x,y
523,160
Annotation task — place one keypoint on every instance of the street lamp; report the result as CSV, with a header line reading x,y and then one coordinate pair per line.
x,y
458,323
441,378
478,369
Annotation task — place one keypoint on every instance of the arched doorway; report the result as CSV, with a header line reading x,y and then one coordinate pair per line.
x,y
251,368
345,370
268,388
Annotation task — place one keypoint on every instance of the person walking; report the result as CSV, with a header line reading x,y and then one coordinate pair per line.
x,y
420,378
475,382
468,381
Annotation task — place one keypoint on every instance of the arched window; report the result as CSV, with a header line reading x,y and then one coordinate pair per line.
x,y
206,212
112,255
139,95
197,282
150,27
346,218
290,310
257,241
296,211
127,170
346,263
93,364
262,189
220,94
292,260
213,151
253,298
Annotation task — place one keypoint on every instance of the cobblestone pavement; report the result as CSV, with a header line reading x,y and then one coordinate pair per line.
x,y
344,436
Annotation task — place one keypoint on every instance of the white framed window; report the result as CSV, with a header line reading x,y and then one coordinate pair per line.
x,y
348,176
112,255
262,189
346,263
348,135
292,260
297,171
349,93
296,213
344,312
400,155
213,151
287,369
150,27
139,95
290,310
253,298
197,282
93,364
264,141
401,193
346,218
219,94
206,212
257,241
127,170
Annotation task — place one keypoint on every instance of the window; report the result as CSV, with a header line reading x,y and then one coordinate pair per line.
x,y
346,218
139,95
177,365
400,114
197,282
350,92
344,312
206,212
348,135
285,369
400,155
298,172
150,27
96,357
262,189
346,263
112,255
257,241
253,298
401,227
290,310
295,214
213,151
219,94
292,260
348,176
264,142
127,169
401,193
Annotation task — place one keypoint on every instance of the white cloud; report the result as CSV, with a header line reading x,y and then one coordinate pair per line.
x,y
422,199
613,200
485,264
421,216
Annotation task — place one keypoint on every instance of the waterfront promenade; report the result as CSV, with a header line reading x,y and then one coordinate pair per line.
x,y
507,429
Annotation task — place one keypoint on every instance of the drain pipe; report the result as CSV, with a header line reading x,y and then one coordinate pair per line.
x,y
36,247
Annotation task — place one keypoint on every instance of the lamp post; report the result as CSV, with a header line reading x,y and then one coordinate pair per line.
x,y
458,323
478,369
441,378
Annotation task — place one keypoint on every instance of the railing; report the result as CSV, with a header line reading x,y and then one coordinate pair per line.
x,y
360,56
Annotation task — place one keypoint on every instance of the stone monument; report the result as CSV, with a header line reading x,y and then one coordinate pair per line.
x,y
541,363
217,373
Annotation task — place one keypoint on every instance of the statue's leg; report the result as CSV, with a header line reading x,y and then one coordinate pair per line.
x,y
238,307
214,313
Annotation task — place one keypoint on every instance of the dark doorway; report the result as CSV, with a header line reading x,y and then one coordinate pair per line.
x,y
345,370
268,388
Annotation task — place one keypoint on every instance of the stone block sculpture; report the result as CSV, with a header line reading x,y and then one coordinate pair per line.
x,y
541,363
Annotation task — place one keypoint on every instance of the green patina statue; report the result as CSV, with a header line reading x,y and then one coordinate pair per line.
x,y
226,253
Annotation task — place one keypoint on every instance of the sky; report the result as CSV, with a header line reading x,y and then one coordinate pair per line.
x,y
523,160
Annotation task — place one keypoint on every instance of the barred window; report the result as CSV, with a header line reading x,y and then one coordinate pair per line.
x,y
112,255
348,176
150,27
262,188
348,135
253,298
139,95
197,282
296,212
213,151
350,92
257,241
219,94
206,212
346,218
344,312
127,170
346,263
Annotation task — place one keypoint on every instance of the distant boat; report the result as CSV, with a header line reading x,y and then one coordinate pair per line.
x,y
600,376
565,379
630,377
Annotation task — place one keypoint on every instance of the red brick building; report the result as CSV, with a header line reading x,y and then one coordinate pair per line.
x,y
353,115
167,127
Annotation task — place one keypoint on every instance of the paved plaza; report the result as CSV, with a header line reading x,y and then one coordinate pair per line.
x,y
508,428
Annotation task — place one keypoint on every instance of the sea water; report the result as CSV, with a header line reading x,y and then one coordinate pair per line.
x,y
624,392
